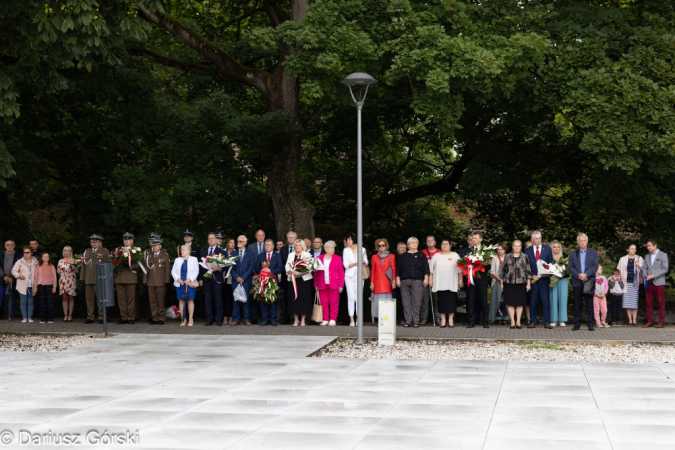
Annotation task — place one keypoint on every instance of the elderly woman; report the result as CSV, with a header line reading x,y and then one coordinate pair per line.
x,y
445,281
412,277
24,272
558,296
67,282
515,284
45,280
382,274
329,282
302,301
496,296
630,267
349,259
185,272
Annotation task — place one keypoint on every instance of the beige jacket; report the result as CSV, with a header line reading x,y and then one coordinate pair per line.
x,y
21,268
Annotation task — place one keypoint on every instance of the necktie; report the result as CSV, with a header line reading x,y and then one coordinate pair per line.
x,y
259,248
241,252
536,255
269,257
156,255
210,251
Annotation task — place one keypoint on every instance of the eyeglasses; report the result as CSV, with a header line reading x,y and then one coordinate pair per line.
x,y
318,242
27,253
240,241
381,245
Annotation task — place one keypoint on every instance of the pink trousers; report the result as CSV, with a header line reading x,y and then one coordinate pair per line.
x,y
330,301
600,309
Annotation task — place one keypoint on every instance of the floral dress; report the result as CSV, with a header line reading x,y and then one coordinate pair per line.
x,y
67,278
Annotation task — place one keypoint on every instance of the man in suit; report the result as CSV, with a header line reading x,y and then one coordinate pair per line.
x,y
476,304
317,248
92,256
582,264
655,269
286,283
242,274
158,266
188,238
8,258
539,293
269,256
213,286
258,246
126,282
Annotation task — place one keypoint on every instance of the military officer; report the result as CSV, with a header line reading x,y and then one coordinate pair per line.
x,y
90,258
219,241
147,252
188,237
158,266
126,282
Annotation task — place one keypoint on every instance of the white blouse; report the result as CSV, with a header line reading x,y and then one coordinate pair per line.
x,y
348,257
446,272
291,260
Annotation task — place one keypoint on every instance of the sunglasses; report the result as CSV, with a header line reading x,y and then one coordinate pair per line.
x,y
27,253
381,245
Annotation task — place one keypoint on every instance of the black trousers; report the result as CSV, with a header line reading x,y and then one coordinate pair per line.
x,y
578,298
213,300
476,304
616,307
44,295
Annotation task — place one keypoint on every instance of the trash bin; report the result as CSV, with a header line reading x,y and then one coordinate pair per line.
x,y
387,322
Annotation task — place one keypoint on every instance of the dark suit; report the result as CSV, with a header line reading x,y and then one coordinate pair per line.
x,y
244,269
476,298
286,285
269,310
213,289
254,248
591,266
13,294
540,291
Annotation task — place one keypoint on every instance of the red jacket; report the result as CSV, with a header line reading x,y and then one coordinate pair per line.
x,y
336,273
381,283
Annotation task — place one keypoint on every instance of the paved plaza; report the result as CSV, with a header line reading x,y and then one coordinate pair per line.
x,y
263,392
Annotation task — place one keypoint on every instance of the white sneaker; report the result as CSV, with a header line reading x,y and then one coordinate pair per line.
x,y
324,323
331,323
561,324
352,324
552,324
24,321
606,325
30,320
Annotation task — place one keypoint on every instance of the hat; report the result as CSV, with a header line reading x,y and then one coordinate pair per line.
x,y
127,235
187,233
157,241
154,235
95,238
219,235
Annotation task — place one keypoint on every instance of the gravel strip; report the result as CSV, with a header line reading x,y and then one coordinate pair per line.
x,y
500,350
41,343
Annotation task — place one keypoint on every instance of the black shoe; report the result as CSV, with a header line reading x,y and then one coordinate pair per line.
x,y
591,329
208,324
121,322
471,325
154,322
219,324
576,328
512,328
486,325
88,321
274,324
131,322
150,320
160,322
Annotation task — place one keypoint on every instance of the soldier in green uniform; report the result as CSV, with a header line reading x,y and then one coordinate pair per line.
x,y
158,266
126,282
92,256
147,252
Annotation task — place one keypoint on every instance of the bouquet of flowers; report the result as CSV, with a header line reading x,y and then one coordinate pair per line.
x,y
76,261
211,263
301,267
476,261
558,270
264,287
120,255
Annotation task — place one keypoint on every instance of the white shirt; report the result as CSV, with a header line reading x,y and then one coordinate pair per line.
x,y
326,273
446,272
653,256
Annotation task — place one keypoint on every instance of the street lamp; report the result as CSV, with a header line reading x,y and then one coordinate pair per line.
x,y
359,82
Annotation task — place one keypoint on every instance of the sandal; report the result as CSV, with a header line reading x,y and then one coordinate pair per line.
x,y
182,324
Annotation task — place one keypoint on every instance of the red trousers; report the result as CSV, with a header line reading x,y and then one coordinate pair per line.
x,y
658,292
330,301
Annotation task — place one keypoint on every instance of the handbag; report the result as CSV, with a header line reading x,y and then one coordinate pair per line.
x,y
366,272
588,288
317,310
502,311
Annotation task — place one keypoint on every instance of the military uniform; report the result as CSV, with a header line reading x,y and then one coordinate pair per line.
x,y
158,266
126,282
90,258
148,251
194,248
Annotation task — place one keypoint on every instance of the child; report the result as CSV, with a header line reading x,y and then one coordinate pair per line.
x,y
615,296
600,298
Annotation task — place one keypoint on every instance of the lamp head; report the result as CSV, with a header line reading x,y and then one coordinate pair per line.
x,y
360,81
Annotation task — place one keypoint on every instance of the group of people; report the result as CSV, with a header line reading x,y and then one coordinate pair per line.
x,y
429,280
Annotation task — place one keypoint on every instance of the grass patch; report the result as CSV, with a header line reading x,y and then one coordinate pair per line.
x,y
541,346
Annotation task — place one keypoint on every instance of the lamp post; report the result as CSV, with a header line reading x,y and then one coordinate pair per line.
x,y
359,82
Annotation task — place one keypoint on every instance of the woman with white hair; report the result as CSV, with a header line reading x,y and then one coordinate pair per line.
x,y
328,282
412,276
185,272
301,303
67,271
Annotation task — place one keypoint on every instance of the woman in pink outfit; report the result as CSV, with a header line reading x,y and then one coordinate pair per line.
x,y
600,299
329,283
45,279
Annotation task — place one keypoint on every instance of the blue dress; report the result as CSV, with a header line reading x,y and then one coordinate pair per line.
x,y
180,290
